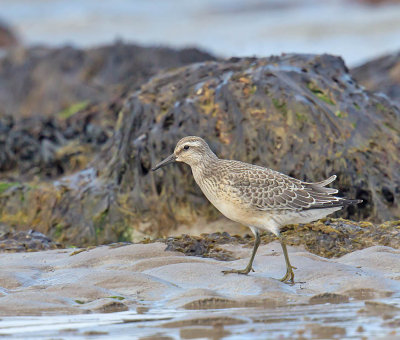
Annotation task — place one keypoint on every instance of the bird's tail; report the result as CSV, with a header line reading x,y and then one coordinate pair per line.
x,y
346,202
321,186
323,197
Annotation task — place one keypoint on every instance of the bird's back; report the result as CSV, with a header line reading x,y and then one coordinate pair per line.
x,y
241,189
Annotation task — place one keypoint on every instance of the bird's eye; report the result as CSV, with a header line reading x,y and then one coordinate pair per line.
x,y
186,147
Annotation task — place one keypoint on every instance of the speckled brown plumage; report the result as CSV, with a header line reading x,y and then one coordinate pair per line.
x,y
267,190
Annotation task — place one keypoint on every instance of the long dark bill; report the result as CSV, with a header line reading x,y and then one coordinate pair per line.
x,y
170,159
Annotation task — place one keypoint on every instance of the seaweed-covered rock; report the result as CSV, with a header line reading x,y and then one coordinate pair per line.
x,y
58,106
381,75
45,81
300,114
21,241
52,146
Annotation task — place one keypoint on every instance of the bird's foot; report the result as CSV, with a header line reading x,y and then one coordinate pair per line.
x,y
244,271
289,276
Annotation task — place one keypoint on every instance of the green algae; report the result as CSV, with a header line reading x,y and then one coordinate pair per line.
x,y
341,114
99,222
120,298
279,104
380,107
4,186
301,117
390,126
58,231
320,94
73,109
253,89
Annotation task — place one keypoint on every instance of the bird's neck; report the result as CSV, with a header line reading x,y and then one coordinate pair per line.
x,y
204,167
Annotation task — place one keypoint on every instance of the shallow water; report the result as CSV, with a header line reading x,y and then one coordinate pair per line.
x,y
343,321
225,27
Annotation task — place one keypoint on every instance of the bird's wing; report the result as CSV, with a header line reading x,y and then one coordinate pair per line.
x,y
264,189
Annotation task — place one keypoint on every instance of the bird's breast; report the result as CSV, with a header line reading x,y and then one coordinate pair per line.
x,y
218,193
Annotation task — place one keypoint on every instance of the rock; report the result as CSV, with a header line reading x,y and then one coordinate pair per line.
x,y
7,37
50,147
21,241
54,125
381,75
300,114
96,75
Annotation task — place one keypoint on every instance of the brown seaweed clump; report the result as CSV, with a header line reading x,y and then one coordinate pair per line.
x,y
205,245
337,237
327,238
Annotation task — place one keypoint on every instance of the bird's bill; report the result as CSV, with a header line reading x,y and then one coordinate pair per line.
x,y
170,159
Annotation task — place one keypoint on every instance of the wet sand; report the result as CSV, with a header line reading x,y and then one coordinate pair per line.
x,y
152,292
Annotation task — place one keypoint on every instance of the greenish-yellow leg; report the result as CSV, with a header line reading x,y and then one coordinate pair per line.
x,y
249,267
289,276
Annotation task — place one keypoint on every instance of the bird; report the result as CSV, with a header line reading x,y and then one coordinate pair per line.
x,y
260,198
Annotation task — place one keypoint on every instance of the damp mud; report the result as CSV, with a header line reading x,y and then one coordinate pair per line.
x,y
148,292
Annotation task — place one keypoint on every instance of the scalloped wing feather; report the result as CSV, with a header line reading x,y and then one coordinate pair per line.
x,y
265,189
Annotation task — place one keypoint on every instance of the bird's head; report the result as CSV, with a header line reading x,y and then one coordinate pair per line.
x,y
191,150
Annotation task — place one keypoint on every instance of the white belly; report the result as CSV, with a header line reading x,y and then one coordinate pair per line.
x,y
228,208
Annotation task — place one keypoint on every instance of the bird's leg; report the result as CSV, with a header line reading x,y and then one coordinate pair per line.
x,y
289,276
249,267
